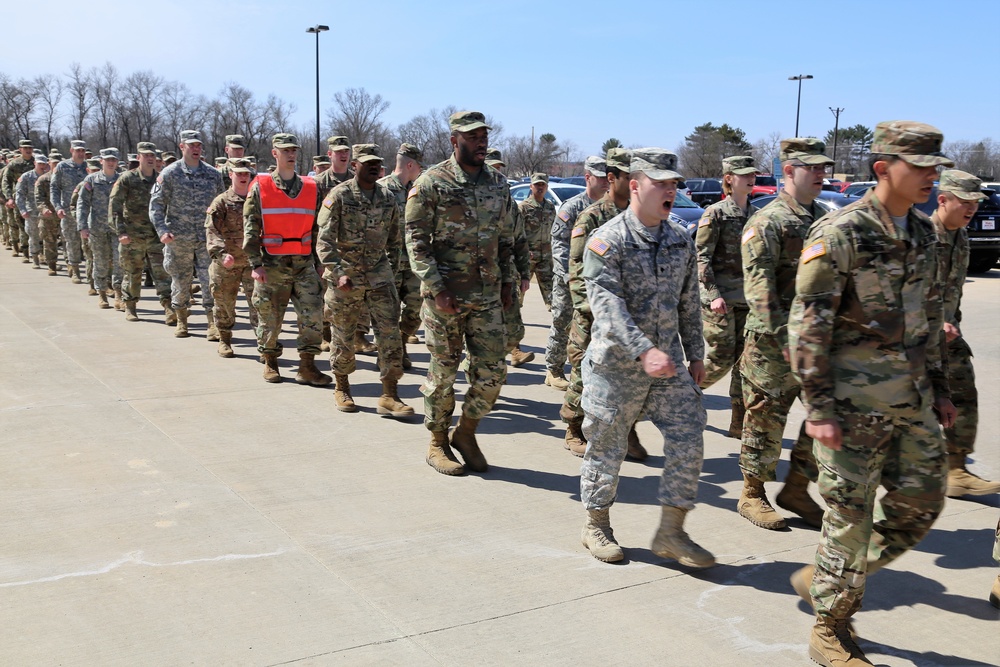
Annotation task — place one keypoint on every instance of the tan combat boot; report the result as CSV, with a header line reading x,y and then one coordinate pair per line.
x,y
555,378
226,345
598,537
464,440
36,260
801,581
736,419
91,290
362,346
995,593
74,274
635,451
831,644
342,394
308,373
754,506
412,339
52,268
130,314
389,403
794,497
672,542
169,316
271,373
439,455
119,304
102,299
575,441
961,482
212,333
519,358
327,337
182,323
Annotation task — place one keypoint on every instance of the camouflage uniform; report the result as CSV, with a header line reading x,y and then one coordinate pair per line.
x,y
407,283
537,220
130,217
459,235
520,270
720,271
24,198
590,219
66,176
562,304
867,345
359,237
288,277
48,221
224,236
642,287
92,215
8,184
771,244
177,206
88,255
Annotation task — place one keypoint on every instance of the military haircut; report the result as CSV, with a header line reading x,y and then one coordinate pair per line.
x,y
617,172
879,157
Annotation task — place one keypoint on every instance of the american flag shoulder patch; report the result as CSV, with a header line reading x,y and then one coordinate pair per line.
x,y
328,202
412,192
599,246
564,216
817,249
749,234
577,231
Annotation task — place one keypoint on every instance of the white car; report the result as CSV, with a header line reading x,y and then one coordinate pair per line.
x,y
557,192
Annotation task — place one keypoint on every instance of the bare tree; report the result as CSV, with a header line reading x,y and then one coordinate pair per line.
x,y
358,115
48,93
526,155
80,88
766,150
104,82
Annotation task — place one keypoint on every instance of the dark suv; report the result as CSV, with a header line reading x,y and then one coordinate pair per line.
x,y
984,233
705,191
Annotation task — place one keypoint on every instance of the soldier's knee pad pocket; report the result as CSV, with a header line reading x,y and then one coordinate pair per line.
x,y
598,410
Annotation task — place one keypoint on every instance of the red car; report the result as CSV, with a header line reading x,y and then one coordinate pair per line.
x,y
764,184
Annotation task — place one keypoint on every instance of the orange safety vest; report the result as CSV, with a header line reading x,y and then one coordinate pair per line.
x,y
287,222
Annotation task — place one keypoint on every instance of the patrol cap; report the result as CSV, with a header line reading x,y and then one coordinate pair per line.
x,y
159,154
658,164
55,156
236,140
284,140
94,162
25,143
89,153
806,150
410,151
338,143
133,157
146,147
77,144
539,177
40,158
109,154
167,155
962,184
190,137
916,143
494,157
366,153
219,161
618,158
467,121
741,165
239,165
596,166
321,159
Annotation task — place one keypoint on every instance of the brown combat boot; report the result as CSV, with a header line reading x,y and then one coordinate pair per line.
x,y
736,420
635,451
440,457
226,344
464,440
92,291
362,346
212,333
412,339
519,358
794,497
169,316
182,323
389,403
327,337
555,378
342,394
308,373
130,314
119,305
831,644
575,441
801,581
36,260
271,373
598,537
961,482
754,506
672,542
407,364
102,299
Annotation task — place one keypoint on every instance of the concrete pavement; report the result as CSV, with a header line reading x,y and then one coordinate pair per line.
x,y
164,506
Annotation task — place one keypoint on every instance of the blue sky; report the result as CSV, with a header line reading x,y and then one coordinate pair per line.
x,y
644,72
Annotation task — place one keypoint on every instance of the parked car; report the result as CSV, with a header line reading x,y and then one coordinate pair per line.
x,y
764,184
858,188
686,213
573,180
762,201
704,191
984,234
557,192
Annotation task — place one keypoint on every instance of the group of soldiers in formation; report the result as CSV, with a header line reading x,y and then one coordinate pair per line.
x,y
856,313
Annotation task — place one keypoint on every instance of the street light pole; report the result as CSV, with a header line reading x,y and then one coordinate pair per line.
x,y
798,104
836,137
317,29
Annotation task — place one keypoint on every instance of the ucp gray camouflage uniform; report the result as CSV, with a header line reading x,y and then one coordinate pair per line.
x,y
642,285
92,215
65,177
562,304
